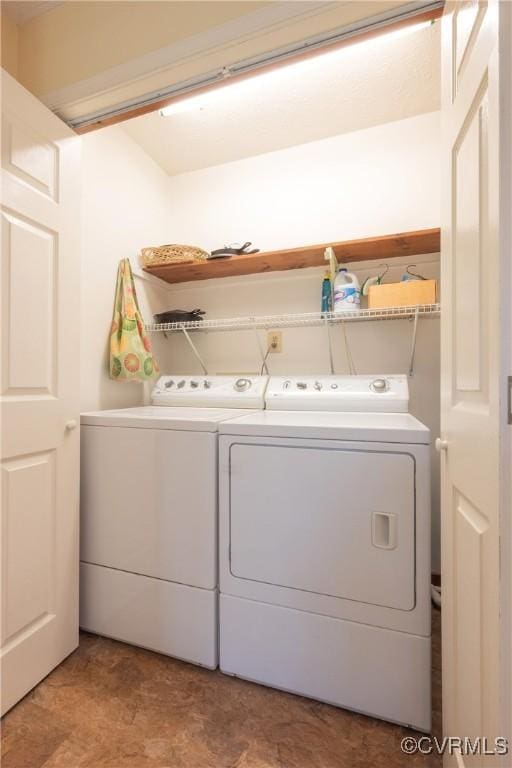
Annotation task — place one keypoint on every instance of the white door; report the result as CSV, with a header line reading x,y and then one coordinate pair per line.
x,y
40,405
473,410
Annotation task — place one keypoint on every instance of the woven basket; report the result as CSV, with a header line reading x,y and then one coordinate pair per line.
x,y
171,254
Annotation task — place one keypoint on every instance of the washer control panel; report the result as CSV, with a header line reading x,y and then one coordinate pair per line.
x,y
211,391
388,394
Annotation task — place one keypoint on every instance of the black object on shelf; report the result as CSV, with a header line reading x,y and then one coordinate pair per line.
x,y
179,316
235,249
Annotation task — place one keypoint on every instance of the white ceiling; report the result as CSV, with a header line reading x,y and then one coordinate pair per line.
x,y
378,81
21,11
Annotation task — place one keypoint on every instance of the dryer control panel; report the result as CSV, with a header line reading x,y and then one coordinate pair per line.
x,y
368,394
211,391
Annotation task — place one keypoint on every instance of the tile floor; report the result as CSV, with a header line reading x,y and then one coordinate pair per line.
x,y
110,705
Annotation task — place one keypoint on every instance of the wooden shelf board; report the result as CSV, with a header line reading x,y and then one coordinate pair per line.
x,y
369,248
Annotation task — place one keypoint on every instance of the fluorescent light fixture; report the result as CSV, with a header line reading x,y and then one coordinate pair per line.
x,y
195,102
200,101
393,34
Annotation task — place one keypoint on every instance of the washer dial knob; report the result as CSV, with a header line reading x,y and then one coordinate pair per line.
x,y
379,385
242,385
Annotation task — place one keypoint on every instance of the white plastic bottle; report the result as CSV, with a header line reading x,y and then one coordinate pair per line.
x,y
347,292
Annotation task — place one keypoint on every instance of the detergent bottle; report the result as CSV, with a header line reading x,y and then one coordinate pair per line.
x,y
347,292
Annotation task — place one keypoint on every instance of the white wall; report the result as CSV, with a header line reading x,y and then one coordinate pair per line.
x,y
369,182
380,180
124,207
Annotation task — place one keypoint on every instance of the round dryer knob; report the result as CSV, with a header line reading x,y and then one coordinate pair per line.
x,y
241,385
379,385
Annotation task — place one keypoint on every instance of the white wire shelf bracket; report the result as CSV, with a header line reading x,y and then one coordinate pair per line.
x,y
300,320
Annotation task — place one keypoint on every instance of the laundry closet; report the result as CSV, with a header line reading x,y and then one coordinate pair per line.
x,y
338,148
223,473
264,498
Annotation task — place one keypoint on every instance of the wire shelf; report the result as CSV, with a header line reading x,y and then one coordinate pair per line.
x,y
305,319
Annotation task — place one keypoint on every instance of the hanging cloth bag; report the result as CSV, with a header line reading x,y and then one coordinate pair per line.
x,y
131,358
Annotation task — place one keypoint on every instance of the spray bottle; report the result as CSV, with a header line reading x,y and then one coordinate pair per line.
x,y
326,293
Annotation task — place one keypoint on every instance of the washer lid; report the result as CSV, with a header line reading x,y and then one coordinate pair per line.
x,y
367,427
159,417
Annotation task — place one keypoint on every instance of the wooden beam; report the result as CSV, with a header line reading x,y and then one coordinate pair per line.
x,y
370,248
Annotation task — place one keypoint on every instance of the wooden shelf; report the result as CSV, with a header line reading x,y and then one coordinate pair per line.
x,y
383,248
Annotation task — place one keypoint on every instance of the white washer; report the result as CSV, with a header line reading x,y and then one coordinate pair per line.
x,y
325,546
148,571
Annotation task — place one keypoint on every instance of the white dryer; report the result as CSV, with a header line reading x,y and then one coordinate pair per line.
x,y
325,545
148,571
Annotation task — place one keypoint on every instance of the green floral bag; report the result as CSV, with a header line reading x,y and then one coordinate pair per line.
x,y
131,358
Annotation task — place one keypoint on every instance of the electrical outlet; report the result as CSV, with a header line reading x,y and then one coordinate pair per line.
x,y
275,341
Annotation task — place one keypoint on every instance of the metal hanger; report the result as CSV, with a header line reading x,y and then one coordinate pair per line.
x,y
414,274
386,270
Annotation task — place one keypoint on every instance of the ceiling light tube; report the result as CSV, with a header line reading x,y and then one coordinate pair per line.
x,y
198,101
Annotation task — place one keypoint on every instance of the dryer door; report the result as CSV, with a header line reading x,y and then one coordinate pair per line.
x,y
332,521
